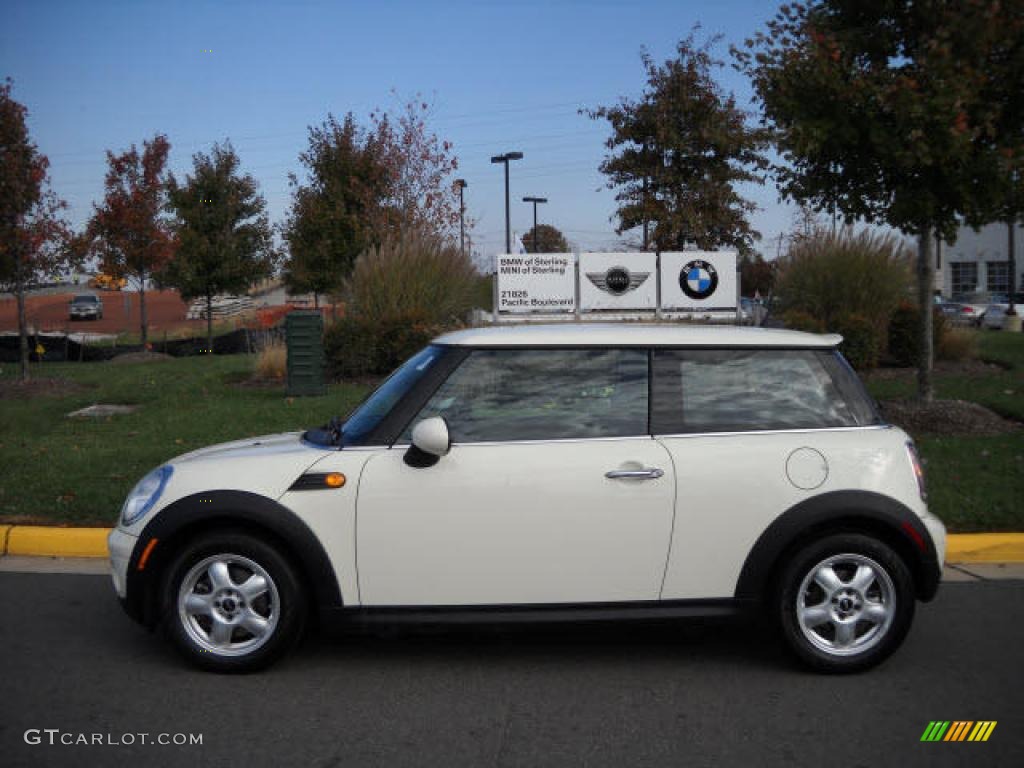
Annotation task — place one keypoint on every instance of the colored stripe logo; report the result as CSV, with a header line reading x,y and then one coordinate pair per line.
x,y
959,730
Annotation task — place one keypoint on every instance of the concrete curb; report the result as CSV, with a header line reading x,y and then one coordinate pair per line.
x,y
50,541
985,548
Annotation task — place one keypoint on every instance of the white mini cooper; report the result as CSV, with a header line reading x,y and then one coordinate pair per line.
x,y
552,473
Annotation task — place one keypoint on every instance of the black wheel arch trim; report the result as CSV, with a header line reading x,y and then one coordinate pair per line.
x,y
199,512
851,511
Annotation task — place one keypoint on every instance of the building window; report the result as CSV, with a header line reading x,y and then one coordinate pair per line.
x,y
998,276
964,277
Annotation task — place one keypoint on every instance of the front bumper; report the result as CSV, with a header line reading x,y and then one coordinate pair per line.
x,y
121,546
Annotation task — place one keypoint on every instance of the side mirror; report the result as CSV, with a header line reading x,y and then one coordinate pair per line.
x,y
431,436
430,441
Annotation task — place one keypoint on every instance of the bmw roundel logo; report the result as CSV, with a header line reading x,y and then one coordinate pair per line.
x,y
698,279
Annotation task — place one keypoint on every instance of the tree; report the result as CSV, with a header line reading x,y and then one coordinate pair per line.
x,y
545,239
757,276
336,210
33,231
905,113
677,154
362,186
129,232
224,238
419,164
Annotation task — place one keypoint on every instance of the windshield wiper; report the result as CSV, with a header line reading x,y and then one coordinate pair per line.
x,y
329,434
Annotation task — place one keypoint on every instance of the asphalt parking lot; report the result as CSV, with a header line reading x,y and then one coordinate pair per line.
x,y
638,696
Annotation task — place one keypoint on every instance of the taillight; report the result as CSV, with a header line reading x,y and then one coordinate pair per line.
x,y
968,310
915,463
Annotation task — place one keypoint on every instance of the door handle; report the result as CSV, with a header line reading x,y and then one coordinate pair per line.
x,y
634,474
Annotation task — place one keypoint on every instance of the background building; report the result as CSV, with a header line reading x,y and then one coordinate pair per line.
x,y
977,261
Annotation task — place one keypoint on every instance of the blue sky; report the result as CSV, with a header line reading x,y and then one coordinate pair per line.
x,y
502,76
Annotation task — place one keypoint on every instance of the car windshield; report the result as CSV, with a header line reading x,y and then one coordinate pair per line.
x,y
84,300
368,415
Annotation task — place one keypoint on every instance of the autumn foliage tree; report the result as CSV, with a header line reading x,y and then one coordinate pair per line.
x,y
418,166
677,154
224,238
545,239
33,231
907,113
361,185
129,232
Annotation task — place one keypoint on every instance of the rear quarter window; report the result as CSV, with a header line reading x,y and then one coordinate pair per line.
x,y
743,390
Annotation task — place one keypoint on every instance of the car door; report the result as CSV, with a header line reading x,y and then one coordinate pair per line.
x,y
553,491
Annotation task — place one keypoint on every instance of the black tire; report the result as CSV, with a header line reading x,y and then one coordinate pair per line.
x,y
829,646
283,604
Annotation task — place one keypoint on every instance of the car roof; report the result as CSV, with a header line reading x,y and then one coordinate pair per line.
x,y
635,334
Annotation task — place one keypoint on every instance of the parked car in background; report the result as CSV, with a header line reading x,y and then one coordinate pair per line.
x,y
86,306
993,317
951,310
555,473
972,307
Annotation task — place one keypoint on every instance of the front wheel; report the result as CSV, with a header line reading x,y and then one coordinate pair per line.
x,y
233,603
845,603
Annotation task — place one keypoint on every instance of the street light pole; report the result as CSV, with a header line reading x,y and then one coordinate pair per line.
x,y
461,184
535,200
504,159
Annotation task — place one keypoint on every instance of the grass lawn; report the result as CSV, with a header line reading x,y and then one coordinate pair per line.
x,y
976,483
56,469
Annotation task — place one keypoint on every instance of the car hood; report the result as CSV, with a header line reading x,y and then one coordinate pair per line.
x,y
283,444
265,465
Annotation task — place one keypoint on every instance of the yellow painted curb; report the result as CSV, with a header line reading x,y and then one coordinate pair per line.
x,y
48,541
985,548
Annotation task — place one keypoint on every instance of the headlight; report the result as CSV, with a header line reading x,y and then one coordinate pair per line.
x,y
145,494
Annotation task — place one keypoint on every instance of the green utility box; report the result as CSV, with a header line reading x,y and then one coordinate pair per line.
x,y
304,333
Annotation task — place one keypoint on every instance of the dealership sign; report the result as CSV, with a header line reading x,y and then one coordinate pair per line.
x,y
618,281
688,282
536,282
698,281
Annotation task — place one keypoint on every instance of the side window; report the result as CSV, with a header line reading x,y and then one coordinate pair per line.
x,y
543,394
748,390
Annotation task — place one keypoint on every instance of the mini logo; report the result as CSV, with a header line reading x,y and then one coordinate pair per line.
x,y
958,730
698,279
617,280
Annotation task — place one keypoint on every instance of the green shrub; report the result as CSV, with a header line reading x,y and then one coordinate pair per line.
x,y
798,320
358,346
400,295
905,333
861,340
828,276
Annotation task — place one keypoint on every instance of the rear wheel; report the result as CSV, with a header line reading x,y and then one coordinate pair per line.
x,y
233,603
845,603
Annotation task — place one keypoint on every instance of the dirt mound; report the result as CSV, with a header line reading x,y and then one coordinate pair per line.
x,y
946,417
